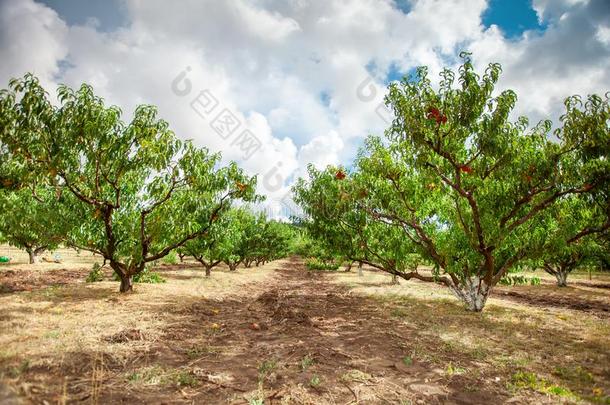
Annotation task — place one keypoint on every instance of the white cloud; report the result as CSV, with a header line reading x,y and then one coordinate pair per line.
x,y
291,72
32,39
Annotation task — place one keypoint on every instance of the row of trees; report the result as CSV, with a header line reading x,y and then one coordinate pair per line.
x,y
240,237
76,174
457,184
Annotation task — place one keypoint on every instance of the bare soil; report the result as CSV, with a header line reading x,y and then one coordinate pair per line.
x,y
297,337
27,280
566,297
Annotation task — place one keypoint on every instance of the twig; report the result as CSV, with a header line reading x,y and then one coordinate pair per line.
x,y
352,391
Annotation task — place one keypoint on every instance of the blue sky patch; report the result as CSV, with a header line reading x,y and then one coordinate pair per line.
x,y
110,14
325,98
403,5
513,17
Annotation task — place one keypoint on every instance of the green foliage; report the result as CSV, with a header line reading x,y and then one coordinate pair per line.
x,y
33,219
315,381
519,280
526,380
456,183
242,237
186,379
135,191
265,369
148,277
171,258
317,264
16,371
96,274
306,362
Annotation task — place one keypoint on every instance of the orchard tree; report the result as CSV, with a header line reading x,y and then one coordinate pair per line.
x,y
240,237
136,191
235,235
573,228
463,183
331,200
578,225
253,234
32,220
208,249
268,240
273,241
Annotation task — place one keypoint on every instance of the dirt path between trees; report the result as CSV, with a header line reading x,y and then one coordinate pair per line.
x,y
302,340
298,338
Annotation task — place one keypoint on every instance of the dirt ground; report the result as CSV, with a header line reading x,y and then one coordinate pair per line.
x,y
280,334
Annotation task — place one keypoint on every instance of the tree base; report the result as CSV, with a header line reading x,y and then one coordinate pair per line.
x,y
126,284
473,294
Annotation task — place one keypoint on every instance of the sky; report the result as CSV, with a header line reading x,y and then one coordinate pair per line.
x,y
279,84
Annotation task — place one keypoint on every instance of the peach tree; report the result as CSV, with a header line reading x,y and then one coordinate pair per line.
x,y
32,221
462,183
331,200
136,190
578,227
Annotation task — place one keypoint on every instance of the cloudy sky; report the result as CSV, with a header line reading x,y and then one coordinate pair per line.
x,y
278,84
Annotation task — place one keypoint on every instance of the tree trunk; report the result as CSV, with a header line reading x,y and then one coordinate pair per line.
x,y
126,278
208,271
560,272
394,280
181,256
562,277
349,267
473,293
232,267
33,255
126,283
360,274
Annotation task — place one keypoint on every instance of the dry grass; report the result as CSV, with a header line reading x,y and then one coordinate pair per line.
x,y
564,348
539,353
49,324
70,259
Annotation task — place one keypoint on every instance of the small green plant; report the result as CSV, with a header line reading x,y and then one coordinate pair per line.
x,y
319,265
16,371
146,276
198,351
186,379
134,377
574,374
356,375
171,258
256,401
454,370
407,360
519,280
149,277
527,380
54,334
315,381
306,362
265,369
156,375
96,274
149,376
399,313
